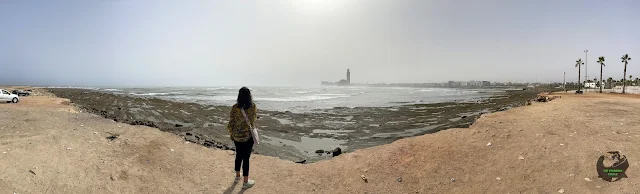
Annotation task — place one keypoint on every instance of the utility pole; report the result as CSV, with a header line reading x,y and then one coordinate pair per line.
x,y
564,81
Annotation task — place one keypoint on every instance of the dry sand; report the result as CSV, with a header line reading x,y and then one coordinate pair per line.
x,y
48,147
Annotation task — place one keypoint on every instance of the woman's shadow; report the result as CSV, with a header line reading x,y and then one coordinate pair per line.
x,y
232,187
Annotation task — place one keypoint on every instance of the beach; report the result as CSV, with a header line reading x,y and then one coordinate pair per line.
x,y
297,136
49,146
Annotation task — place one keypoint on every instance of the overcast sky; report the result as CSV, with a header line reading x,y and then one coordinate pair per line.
x,y
303,42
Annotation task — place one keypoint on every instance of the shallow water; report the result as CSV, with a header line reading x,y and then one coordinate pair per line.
x,y
307,145
312,98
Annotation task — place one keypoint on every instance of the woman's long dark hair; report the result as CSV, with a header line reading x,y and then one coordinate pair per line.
x,y
244,98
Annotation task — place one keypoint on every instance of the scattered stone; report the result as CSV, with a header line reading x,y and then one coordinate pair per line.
x,y
571,175
337,151
172,150
364,178
81,125
561,144
597,186
113,137
489,144
188,134
399,179
4,152
113,178
464,117
497,178
95,132
178,125
32,172
453,180
587,179
319,151
68,148
520,157
561,191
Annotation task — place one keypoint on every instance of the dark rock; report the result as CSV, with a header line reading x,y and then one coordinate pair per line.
x,y
327,152
464,117
178,125
188,134
337,151
301,162
319,151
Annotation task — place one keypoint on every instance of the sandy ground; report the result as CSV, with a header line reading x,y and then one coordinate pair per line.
x,y
48,147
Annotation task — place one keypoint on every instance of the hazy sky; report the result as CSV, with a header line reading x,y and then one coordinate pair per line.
x,y
303,42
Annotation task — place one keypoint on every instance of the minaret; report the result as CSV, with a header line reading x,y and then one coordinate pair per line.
x,y
348,77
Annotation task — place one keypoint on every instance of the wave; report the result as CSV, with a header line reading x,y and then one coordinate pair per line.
x,y
151,94
303,98
111,89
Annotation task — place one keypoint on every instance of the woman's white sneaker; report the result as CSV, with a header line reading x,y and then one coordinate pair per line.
x,y
248,184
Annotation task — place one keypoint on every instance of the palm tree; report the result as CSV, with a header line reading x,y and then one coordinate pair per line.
x,y
625,59
601,61
578,63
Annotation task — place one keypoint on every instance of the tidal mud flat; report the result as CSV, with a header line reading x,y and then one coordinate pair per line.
x,y
293,136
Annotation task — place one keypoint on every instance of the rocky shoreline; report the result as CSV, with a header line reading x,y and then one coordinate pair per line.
x,y
293,136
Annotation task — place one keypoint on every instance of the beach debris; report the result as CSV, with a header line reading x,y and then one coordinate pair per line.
x,y
4,152
81,125
364,178
587,179
399,179
113,178
336,152
68,148
319,151
489,144
172,150
301,161
520,157
497,178
561,191
597,186
453,180
561,144
95,132
32,172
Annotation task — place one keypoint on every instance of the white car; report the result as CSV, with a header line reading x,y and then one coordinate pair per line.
x,y
8,97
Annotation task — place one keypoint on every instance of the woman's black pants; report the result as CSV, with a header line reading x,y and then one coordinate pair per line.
x,y
243,152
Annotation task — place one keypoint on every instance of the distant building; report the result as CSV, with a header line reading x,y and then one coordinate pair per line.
x,y
486,83
342,82
348,76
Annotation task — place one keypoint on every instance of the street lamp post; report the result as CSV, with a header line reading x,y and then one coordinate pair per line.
x,y
586,61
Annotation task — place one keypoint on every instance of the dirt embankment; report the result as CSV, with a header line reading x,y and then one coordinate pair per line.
x,y
293,136
46,147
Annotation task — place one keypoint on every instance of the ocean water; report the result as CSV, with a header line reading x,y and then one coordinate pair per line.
x,y
297,99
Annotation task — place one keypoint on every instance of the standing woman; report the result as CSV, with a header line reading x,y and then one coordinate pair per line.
x,y
240,132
